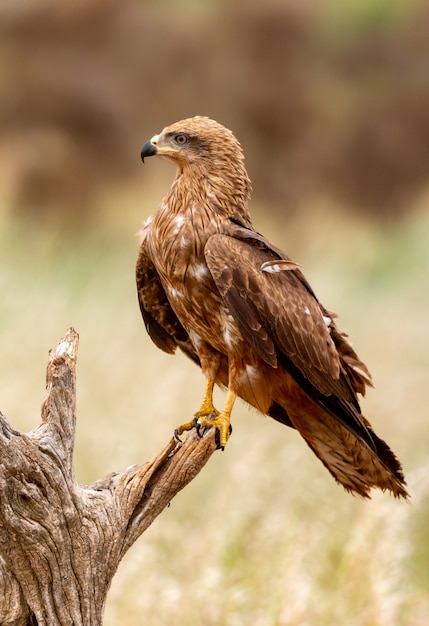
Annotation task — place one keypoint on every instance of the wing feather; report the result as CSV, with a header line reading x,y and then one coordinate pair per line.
x,y
162,324
274,309
281,318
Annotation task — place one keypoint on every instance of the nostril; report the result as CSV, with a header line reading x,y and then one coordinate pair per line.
x,y
154,140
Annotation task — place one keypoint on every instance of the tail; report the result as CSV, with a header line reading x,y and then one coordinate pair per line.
x,y
357,464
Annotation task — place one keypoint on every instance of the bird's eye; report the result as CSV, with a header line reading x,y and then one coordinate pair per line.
x,y
181,139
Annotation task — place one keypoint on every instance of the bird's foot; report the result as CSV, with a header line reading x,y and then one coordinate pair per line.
x,y
203,420
221,422
206,410
183,428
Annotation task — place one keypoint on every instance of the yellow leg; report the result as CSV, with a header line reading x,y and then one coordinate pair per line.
x,y
208,416
206,409
223,421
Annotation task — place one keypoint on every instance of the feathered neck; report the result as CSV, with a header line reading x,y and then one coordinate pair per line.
x,y
216,185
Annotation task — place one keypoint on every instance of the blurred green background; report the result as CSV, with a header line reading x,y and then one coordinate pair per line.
x,y
330,101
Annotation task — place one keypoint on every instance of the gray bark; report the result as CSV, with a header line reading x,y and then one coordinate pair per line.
x,y
60,542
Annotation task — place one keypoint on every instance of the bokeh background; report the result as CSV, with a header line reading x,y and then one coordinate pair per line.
x,y
330,101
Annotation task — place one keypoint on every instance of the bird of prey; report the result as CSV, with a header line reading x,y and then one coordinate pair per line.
x,y
210,284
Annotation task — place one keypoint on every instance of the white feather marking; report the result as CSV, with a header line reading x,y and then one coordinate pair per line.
x,y
229,340
174,293
272,269
327,321
252,372
199,270
307,311
178,221
184,243
364,375
195,338
229,330
144,231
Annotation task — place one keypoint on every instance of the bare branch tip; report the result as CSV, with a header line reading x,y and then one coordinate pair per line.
x,y
67,346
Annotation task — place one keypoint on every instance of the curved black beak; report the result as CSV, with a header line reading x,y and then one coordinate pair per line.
x,y
148,150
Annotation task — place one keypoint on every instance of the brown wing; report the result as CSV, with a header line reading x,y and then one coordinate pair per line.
x,y
162,324
274,309
355,370
280,317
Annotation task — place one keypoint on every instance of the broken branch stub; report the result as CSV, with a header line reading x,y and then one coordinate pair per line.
x,y
61,543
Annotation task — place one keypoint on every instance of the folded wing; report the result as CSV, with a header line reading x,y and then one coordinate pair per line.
x,y
282,320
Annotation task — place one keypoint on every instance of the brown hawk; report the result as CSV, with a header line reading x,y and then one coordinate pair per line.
x,y
211,285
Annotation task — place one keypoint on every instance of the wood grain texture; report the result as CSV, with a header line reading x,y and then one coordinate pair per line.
x,y
61,543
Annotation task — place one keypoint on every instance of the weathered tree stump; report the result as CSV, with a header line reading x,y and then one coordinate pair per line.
x,y
60,542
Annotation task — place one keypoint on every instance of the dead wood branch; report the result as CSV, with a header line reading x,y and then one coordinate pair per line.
x,y
61,543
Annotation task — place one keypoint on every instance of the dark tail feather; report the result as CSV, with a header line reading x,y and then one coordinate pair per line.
x,y
388,458
278,413
353,462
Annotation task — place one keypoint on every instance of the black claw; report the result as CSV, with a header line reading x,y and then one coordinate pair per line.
x,y
217,439
197,426
176,435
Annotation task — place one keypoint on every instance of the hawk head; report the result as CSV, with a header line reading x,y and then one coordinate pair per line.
x,y
199,143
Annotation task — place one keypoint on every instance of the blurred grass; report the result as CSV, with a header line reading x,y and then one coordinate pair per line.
x,y
263,536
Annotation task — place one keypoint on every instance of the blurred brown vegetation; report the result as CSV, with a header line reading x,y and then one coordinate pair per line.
x,y
322,104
